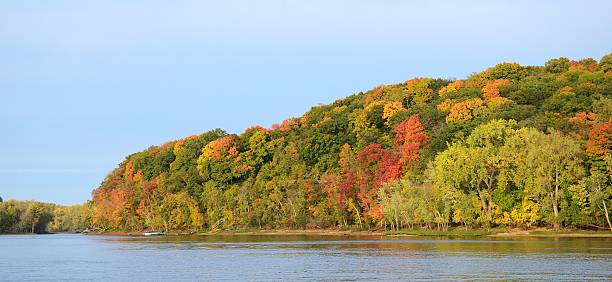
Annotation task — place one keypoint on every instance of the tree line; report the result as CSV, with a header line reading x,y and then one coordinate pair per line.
x,y
38,217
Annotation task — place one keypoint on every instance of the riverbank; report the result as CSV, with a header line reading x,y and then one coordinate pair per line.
x,y
500,232
317,232
452,232
290,232
554,233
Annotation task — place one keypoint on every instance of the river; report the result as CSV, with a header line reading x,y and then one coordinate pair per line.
x,y
301,257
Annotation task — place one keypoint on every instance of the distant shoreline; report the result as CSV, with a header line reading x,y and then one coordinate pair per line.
x,y
549,233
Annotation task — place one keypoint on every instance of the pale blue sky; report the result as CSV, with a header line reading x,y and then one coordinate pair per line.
x,y
84,83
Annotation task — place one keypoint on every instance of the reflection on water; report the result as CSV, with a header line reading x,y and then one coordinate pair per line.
x,y
295,257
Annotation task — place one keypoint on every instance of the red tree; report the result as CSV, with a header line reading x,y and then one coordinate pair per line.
x,y
375,166
409,139
600,139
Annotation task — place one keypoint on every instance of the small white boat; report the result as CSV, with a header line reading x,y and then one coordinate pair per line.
x,y
152,233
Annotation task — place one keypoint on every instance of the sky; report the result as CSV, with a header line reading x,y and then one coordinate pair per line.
x,y
85,83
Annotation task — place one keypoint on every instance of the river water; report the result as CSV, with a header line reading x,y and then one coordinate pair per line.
x,y
301,257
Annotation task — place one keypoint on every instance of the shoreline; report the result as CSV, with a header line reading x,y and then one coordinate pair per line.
x,y
289,232
542,233
552,234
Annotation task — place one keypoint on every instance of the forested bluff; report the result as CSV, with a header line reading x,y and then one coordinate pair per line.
x,y
512,146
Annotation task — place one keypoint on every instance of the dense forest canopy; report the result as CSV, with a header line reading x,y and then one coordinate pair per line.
x,y
513,145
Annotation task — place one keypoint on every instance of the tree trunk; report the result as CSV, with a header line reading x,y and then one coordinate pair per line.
x,y
483,202
607,215
555,200
490,195
396,221
555,210
358,215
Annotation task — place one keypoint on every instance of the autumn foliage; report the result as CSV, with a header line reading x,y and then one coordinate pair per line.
x,y
426,152
409,139
491,89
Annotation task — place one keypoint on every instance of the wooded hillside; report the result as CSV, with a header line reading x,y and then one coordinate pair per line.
x,y
509,146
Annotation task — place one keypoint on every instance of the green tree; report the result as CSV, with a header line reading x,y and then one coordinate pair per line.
x,y
183,174
36,217
9,216
476,165
282,189
546,165
510,71
593,194
393,205
71,218
559,65
214,204
605,63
